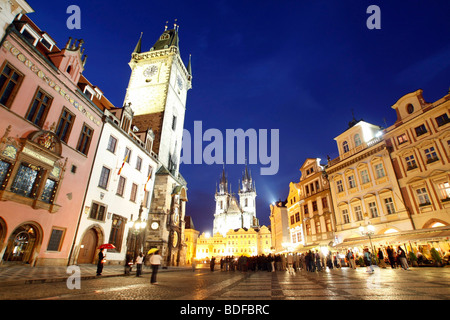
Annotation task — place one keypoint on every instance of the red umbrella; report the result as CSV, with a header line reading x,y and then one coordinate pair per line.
x,y
107,246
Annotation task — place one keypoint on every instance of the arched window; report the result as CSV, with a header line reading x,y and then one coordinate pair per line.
x,y
357,139
345,146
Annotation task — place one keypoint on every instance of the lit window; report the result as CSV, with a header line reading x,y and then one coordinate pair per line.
x,y
422,196
345,146
365,176
373,209
389,205
379,170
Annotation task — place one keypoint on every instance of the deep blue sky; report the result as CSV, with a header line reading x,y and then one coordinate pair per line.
x,y
297,66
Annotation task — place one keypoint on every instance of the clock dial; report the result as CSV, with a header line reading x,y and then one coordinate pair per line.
x,y
150,71
155,225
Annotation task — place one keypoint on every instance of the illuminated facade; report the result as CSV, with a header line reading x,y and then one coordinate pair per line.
x,y
420,144
279,225
363,184
247,242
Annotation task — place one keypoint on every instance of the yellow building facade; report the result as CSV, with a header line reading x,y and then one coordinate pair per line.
x,y
239,242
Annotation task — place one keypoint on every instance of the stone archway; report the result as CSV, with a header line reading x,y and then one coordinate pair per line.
x,y
23,244
88,245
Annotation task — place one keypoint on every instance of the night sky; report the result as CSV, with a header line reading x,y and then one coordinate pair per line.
x,y
298,66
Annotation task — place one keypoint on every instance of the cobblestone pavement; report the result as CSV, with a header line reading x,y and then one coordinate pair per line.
x,y
183,284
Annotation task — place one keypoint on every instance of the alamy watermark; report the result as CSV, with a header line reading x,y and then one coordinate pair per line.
x,y
74,280
231,148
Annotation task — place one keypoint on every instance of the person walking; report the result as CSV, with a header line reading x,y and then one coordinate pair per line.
x,y
212,263
402,257
368,260
101,261
290,261
391,257
381,258
155,261
139,260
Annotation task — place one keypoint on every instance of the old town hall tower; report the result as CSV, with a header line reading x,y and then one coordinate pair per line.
x,y
157,93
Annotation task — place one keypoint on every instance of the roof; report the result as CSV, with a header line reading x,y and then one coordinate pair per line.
x,y
168,39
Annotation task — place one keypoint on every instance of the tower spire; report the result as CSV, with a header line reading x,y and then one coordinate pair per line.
x,y
137,49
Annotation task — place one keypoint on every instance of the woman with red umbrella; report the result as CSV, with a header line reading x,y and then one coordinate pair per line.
x,y
101,261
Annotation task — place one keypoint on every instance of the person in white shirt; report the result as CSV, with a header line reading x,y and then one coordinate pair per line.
x,y
155,261
139,260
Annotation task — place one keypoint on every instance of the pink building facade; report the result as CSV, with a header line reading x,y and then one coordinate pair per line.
x,y
49,131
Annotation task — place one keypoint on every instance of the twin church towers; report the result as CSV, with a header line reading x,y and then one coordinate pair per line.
x,y
231,213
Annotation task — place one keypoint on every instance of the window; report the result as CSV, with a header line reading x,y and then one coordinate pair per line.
x,y
38,109
345,216
117,230
357,139
4,169
121,186
365,177
328,225
133,192
308,229
402,138
292,220
339,186
65,124
54,244
297,216
174,123
389,205
97,212
410,162
10,80
351,182
138,163
127,155
345,146
358,213
431,155
48,194
26,180
318,227
422,196
379,170
112,143
324,203
104,178
85,139
373,209
442,119
444,189
305,207
146,199
314,205
420,130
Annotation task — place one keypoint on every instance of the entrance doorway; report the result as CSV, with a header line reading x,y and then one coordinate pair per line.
x,y
88,247
21,244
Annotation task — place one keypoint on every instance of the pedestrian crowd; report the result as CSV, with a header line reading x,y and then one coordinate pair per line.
x,y
313,261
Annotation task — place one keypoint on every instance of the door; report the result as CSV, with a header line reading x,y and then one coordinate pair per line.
x,y
87,247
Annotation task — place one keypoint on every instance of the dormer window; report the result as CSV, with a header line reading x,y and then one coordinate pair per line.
x,y
29,34
89,92
47,42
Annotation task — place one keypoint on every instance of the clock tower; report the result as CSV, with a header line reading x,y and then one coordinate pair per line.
x,y
157,93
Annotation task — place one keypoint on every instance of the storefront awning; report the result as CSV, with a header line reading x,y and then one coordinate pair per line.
x,y
435,234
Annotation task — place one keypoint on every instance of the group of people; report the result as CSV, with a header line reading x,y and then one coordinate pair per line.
x,y
312,261
155,262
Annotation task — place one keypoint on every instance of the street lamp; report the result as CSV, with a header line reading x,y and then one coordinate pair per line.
x,y
368,231
135,228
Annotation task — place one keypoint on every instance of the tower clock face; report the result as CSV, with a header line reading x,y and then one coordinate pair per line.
x,y
150,71
155,225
